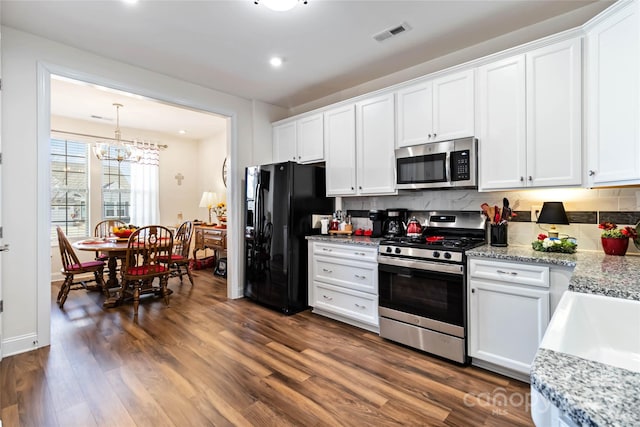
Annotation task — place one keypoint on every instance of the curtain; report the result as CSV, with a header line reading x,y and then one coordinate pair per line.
x,y
145,184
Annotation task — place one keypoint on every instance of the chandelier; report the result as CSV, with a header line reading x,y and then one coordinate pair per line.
x,y
118,151
280,5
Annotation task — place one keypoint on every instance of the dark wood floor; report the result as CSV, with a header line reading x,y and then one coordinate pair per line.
x,y
207,360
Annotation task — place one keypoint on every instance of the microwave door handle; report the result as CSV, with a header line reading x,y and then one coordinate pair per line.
x,y
447,168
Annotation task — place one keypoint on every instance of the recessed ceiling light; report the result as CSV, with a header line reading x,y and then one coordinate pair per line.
x,y
280,5
182,131
130,1
275,62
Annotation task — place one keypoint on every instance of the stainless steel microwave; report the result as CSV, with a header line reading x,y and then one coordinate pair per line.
x,y
440,165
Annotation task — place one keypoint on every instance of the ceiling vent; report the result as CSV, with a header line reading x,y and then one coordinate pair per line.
x,y
404,27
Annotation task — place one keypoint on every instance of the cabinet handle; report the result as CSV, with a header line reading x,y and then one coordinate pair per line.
x,y
357,276
359,253
327,250
327,298
530,178
521,178
327,270
434,135
473,291
352,188
360,188
360,306
299,157
513,273
429,135
591,173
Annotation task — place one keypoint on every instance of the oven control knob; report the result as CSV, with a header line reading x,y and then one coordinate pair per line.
x,y
398,250
388,248
436,254
447,255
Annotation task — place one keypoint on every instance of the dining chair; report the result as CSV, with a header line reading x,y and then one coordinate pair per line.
x,y
71,266
103,229
142,264
180,254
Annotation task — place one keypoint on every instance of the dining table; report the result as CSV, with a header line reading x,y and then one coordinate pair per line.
x,y
114,248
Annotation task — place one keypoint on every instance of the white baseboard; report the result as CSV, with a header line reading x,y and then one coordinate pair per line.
x,y
20,344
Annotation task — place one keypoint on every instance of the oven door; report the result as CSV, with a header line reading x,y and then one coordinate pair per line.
x,y
432,291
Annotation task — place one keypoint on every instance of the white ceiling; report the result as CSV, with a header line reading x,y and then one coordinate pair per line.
x,y
327,45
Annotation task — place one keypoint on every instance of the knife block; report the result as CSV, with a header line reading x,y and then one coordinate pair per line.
x,y
498,235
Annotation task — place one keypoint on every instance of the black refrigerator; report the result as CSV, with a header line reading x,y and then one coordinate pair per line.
x,y
280,201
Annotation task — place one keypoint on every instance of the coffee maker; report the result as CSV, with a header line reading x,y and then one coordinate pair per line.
x,y
377,222
396,223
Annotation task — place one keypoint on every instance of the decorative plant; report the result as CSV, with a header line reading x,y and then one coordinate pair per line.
x,y
611,231
221,209
553,244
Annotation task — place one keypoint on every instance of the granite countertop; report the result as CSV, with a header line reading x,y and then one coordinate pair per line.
x,y
347,240
589,392
594,273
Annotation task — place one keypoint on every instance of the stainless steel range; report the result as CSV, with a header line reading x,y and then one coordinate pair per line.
x,y
422,284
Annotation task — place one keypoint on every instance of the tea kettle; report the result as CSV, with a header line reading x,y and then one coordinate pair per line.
x,y
414,229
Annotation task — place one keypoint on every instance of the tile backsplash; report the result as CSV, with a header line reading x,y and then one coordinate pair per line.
x,y
585,207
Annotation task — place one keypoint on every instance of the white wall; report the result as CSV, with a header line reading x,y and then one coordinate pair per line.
x,y
211,154
27,61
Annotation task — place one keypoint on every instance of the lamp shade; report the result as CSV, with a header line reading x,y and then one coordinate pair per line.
x,y
208,199
553,213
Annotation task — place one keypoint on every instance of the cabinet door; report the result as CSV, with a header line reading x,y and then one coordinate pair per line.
x,y
310,134
554,115
506,323
375,134
415,114
284,142
453,106
613,99
340,144
501,127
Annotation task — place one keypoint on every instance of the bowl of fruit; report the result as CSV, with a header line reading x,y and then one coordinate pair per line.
x,y
123,232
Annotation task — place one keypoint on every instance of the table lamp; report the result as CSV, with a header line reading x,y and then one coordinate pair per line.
x,y
208,200
553,213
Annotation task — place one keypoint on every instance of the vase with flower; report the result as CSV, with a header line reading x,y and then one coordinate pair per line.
x,y
221,212
615,241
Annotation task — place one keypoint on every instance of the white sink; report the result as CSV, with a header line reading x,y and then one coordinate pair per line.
x,y
595,327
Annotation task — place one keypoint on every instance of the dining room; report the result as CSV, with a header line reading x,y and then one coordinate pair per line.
x,y
127,158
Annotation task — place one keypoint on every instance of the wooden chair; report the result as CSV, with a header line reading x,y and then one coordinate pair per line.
x,y
103,229
71,266
180,255
142,264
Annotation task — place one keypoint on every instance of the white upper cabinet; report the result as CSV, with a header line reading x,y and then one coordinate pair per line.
x,y
299,141
613,110
436,110
310,142
284,142
359,141
340,143
529,119
375,132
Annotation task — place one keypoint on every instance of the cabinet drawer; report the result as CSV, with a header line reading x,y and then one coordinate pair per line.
x,y
346,302
355,252
361,276
514,273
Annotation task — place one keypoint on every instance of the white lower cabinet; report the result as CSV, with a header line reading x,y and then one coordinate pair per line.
x,y
343,283
509,309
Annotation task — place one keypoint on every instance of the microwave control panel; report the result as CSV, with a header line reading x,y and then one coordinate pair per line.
x,y
460,165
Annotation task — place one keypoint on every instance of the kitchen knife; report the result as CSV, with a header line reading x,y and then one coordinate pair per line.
x,y
506,212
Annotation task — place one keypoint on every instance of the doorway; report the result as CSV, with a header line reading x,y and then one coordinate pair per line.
x,y
83,111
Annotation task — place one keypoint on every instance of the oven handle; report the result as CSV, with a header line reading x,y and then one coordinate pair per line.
x,y
421,265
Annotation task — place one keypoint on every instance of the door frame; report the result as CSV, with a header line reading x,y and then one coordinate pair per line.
x,y
43,247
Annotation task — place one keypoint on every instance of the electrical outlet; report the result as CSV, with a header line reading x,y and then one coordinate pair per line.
x,y
535,211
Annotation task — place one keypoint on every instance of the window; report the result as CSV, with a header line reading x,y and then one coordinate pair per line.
x,y
69,188
116,187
